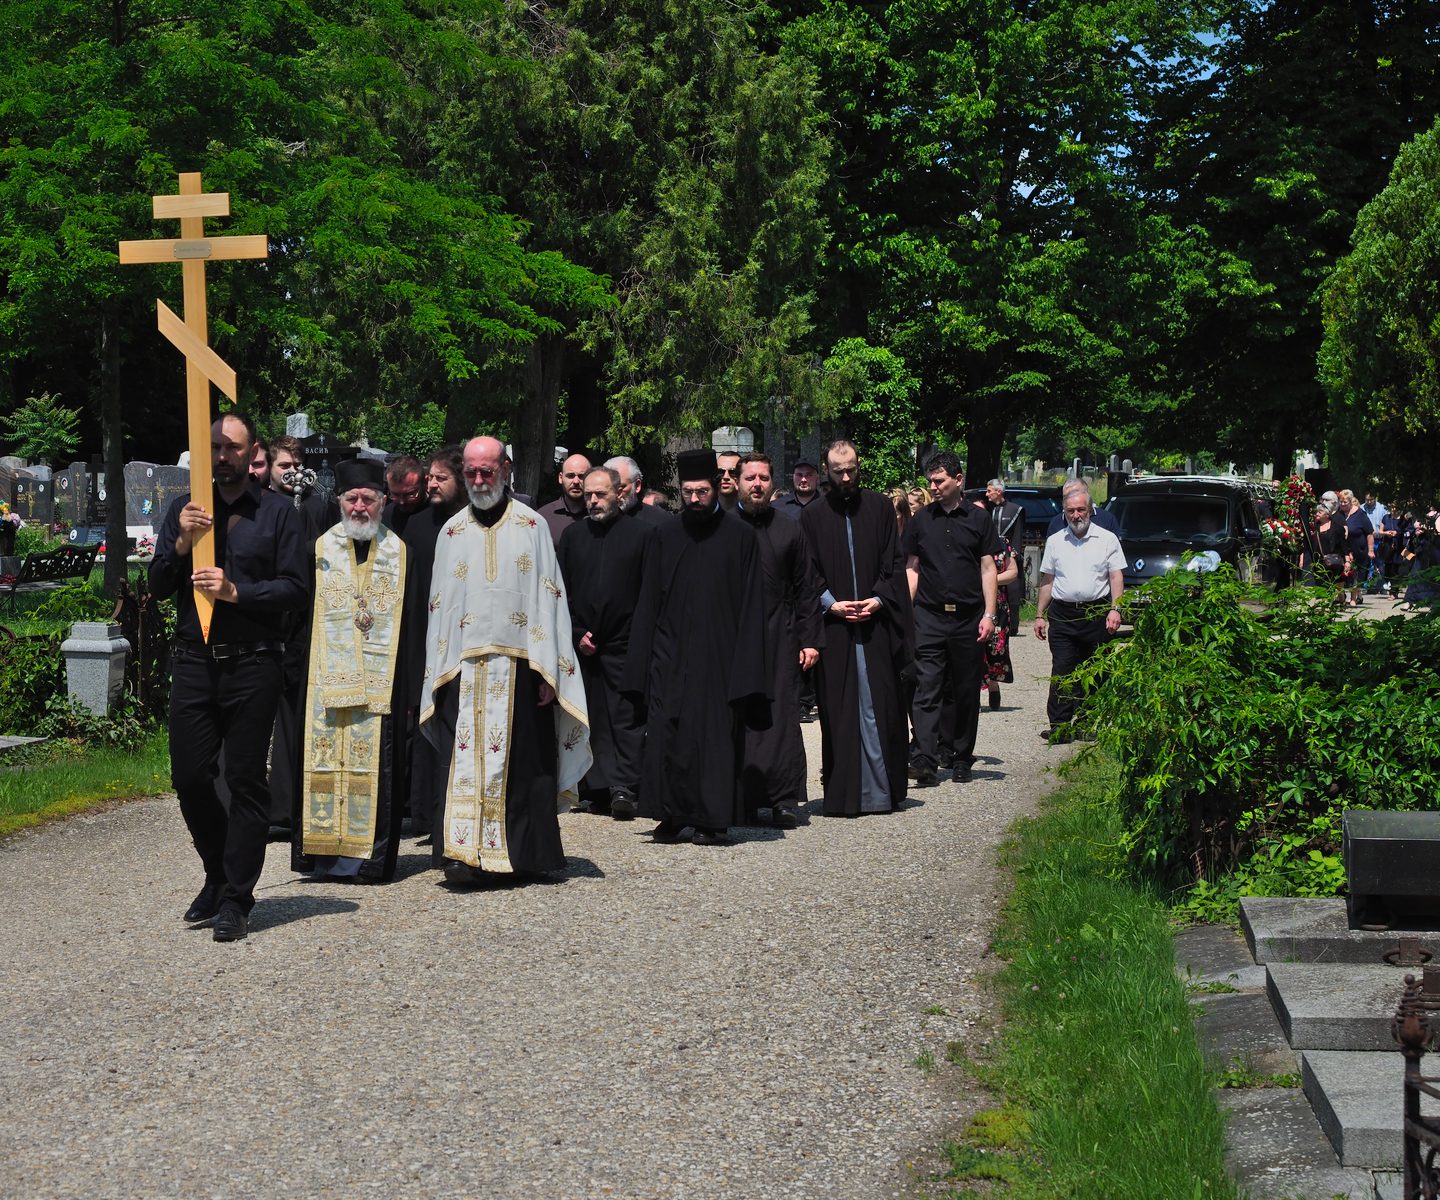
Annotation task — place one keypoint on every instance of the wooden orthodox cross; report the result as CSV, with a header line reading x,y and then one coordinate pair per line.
x,y
191,336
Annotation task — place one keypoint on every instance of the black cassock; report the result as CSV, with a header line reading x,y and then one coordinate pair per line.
x,y
698,668
856,559
416,784
775,770
604,566
287,743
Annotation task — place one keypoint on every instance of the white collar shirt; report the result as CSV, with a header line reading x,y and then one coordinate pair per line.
x,y
1082,566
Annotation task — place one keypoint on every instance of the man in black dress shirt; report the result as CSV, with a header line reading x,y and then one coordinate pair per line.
x,y
949,548
224,691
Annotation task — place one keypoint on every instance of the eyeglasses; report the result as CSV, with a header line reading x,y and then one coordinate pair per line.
x,y
407,494
733,471
480,472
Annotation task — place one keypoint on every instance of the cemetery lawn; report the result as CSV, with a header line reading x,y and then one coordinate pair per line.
x,y
1106,1096
54,779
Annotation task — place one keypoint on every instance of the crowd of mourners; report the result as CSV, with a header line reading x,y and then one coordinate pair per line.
x,y
1366,548
428,646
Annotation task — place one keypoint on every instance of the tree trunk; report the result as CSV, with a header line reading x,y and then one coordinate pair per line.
x,y
533,433
983,443
112,435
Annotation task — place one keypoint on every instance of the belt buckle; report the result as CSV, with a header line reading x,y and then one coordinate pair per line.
x,y
950,608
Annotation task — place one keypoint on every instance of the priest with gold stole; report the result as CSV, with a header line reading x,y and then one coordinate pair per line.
x,y
503,701
348,826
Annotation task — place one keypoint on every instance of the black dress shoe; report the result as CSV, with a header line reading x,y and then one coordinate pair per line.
x,y
205,905
711,837
667,831
622,805
926,777
231,925
782,816
963,772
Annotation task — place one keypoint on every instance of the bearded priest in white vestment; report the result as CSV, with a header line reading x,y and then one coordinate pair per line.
x,y
503,702
348,825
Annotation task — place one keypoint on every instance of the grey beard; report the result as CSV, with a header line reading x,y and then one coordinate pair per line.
x,y
605,517
362,531
485,498
631,504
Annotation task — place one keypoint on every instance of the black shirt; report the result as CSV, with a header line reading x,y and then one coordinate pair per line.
x,y
790,506
949,546
260,545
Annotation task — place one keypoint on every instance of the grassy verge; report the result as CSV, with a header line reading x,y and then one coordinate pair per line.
x,y
1105,1094
52,780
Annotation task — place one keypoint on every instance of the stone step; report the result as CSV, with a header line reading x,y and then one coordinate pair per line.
x,y
1358,1100
1277,1150
1289,930
1336,1006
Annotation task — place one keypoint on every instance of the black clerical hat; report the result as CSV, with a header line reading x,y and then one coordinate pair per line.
x,y
697,464
354,473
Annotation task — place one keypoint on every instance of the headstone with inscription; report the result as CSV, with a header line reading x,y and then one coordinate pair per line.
x,y
34,499
322,451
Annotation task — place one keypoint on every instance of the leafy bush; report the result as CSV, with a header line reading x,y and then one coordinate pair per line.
x,y
125,728
1245,724
32,538
32,671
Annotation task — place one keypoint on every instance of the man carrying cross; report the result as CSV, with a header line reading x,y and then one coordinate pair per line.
x,y
224,690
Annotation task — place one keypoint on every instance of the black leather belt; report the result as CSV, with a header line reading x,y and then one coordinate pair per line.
x,y
224,650
1080,605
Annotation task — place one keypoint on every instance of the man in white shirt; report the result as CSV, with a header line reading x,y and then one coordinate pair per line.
x,y
1081,572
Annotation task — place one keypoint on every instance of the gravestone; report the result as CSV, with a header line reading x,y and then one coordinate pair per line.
x,y
297,425
322,451
34,499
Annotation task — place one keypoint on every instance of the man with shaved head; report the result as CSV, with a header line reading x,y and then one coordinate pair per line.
x,y
570,508
503,704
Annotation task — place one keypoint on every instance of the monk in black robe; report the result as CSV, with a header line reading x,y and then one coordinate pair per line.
x,y
605,560
774,778
698,661
868,642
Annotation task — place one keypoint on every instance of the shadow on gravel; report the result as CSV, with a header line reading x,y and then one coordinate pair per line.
x,y
407,865
270,914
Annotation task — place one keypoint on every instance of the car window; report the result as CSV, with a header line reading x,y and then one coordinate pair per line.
x,y
1193,519
1038,509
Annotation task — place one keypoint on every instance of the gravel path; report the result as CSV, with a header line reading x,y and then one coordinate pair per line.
x,y
666,1021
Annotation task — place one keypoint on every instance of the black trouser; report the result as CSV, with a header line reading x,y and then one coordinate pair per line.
x,y
229,703
947,657
1075,632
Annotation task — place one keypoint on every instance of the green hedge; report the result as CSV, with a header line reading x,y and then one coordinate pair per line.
x,y
1245,723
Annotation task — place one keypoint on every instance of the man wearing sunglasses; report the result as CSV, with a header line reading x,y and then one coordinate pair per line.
x,y
729,463
504,703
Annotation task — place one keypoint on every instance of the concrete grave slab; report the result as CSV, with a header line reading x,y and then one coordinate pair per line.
x,y
1290,930
1277,1148
1206,952
1240,1030
1336,1006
